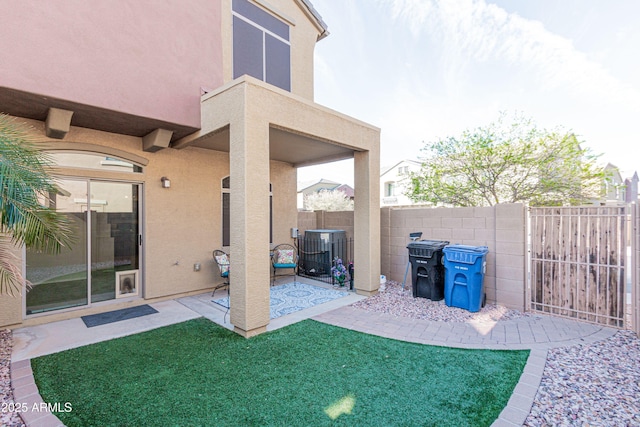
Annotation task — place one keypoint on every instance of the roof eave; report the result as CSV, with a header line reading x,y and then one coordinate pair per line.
x,y
313,13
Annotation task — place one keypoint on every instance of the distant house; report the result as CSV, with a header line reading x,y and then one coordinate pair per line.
x,y
618,190
394,181
310,187
631,184
347,190
613,185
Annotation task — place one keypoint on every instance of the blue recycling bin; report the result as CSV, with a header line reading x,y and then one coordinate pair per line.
x,y
464,268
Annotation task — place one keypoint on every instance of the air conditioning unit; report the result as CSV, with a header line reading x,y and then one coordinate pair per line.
x,y
319,248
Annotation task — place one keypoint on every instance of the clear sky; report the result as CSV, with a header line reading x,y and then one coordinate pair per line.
x,y
427,69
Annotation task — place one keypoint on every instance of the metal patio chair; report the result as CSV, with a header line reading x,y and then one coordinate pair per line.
x,y
284,257
222,261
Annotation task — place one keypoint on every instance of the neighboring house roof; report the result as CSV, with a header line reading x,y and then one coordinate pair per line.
x,y
386,169
615,172
322,183
346,189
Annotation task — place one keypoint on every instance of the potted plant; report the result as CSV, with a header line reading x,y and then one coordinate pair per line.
x,y
339,271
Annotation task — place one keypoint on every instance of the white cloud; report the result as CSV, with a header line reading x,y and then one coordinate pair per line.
x,y
426,69
471,32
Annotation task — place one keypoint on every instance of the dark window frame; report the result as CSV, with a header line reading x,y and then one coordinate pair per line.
x,y
261,45
226,211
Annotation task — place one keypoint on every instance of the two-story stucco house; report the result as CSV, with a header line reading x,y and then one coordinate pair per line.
x,y
394,183
176,128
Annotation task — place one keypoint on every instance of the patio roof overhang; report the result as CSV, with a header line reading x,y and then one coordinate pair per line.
x,y
299,142
257,123
284,145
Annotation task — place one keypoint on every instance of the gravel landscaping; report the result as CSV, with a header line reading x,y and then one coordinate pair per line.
x,y
392,299
7,417
590,385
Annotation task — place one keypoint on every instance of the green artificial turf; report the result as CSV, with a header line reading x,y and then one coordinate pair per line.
x,y
197,373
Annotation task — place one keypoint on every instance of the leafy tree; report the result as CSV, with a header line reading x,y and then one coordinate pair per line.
x,y
24,183
507,163
328,200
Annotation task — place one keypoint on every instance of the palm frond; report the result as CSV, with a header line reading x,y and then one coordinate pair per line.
x,y
11,279
42,230
25,186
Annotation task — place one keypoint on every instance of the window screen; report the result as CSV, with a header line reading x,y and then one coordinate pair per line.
x,y
261,46
261,18
247,49
278,63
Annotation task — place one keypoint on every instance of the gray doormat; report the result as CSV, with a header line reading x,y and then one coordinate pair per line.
x,y
117,315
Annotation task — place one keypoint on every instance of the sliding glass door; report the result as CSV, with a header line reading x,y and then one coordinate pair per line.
x,y
104,260
114,239
60,281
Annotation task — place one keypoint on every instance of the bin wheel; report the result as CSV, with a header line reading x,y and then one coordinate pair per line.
x,y
484,300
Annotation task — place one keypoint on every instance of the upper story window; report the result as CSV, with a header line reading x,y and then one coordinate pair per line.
x,y
261,45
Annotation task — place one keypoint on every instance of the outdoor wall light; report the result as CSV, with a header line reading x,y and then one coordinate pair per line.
x,y
166,182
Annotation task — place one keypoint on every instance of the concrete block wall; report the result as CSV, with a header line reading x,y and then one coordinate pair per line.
x,y
306,221
385,240
501,228
511,255
338,220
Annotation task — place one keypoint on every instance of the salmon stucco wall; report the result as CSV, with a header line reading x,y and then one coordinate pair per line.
x,y
144,58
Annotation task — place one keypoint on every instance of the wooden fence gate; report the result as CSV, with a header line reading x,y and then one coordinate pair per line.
x,y
634,307
577,265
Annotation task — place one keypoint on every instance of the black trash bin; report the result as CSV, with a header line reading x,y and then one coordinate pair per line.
x,y
427,270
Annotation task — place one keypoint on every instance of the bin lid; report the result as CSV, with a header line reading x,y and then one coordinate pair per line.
x,y
466,248
427,244
464,253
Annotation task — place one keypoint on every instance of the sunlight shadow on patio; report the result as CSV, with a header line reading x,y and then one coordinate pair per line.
x,y
483,327
484,323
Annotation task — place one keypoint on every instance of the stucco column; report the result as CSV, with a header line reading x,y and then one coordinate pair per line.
x,y
249,179
366,233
